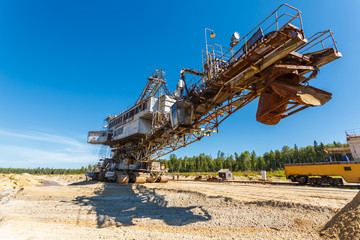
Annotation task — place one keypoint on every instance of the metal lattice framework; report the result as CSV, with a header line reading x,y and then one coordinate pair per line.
x,y
155,83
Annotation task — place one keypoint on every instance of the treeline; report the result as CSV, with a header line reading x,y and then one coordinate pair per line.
x,y
39,170
245,161
249,161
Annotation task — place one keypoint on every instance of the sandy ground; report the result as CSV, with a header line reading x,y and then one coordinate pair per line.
x,y
77,209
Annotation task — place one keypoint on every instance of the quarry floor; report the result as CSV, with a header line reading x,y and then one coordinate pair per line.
x,y
68,207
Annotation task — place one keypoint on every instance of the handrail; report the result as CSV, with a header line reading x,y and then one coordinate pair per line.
x,y
284,4
275,13
318,38
352,132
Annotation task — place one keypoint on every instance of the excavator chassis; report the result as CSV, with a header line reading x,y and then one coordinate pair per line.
x,y
111,170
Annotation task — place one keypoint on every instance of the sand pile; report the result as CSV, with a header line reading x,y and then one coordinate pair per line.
x,y
62,179
26,179
17,181
346,223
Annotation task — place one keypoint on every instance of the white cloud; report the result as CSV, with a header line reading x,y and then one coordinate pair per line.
x,y
42,156
62,150
40,136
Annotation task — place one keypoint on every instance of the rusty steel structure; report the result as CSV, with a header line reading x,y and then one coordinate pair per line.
x,y
274,62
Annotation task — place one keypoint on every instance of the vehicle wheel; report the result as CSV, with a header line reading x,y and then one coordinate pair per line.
x,y
302,180
150,179
102,176
292,178
122,178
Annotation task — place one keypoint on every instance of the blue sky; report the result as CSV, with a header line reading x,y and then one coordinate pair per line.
x,y
66,65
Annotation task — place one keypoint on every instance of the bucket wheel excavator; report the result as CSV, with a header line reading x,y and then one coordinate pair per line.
x,y
273,62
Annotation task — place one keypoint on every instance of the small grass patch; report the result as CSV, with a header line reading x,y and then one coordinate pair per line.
x,y
246,174
193,174
277,173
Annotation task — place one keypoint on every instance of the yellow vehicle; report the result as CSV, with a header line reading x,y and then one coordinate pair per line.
x,y
324,173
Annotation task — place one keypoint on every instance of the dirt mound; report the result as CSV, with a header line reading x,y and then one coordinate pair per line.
x,y
63,179
291,205
259,203
27,180
346,223
17,181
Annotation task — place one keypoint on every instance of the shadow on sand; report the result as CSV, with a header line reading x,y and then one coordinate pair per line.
x,y
118,204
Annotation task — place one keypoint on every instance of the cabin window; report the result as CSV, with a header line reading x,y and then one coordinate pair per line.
x,y
347,168
119,131
100,134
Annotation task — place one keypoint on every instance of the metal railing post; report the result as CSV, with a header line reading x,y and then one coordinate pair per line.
x,y
207,53
246,45
301,24
332,37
